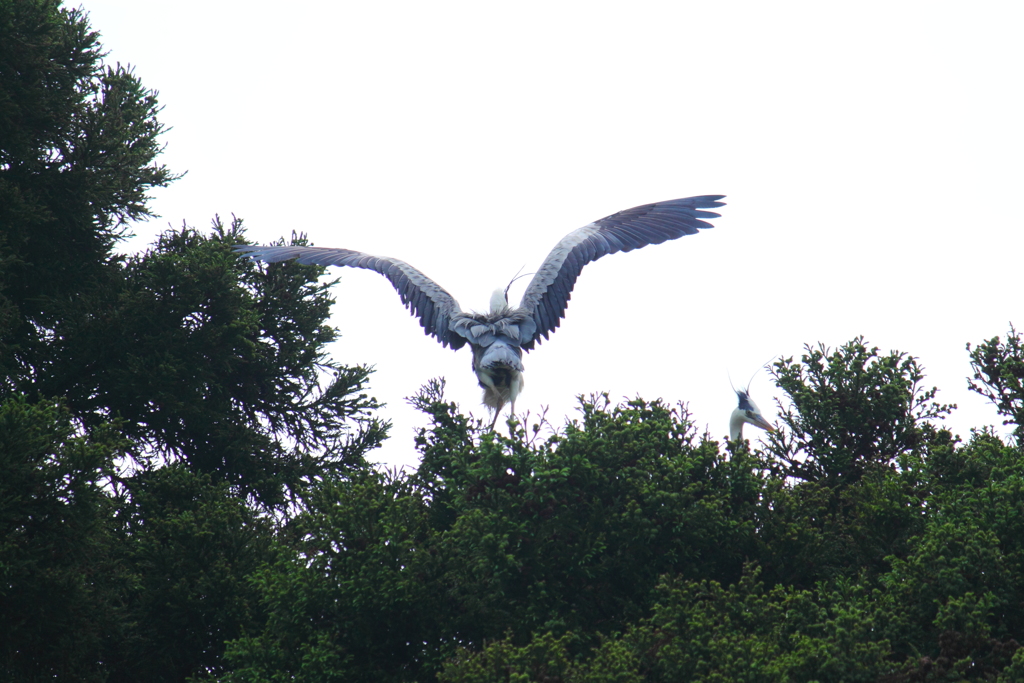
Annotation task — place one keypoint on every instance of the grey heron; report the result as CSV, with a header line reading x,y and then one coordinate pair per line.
x,y
499,337
746,412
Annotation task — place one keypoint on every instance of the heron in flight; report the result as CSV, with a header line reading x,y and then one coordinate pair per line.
x,y
746,412
499,337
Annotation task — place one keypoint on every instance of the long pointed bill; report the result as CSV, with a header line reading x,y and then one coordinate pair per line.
x,y
758,421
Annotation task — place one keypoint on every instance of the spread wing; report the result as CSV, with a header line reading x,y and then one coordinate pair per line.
x,y
548,293
424,298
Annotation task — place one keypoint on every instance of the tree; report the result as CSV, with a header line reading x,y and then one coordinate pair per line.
x,y
999,376
160,413
847,488
201,355
78,142
852,410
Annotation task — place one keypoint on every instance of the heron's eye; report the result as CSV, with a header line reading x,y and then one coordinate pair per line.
x,y
750,413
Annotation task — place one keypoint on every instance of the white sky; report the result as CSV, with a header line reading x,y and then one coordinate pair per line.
x,y
871,154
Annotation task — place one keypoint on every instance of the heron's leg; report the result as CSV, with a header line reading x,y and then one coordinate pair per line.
x,y
516,384
497,412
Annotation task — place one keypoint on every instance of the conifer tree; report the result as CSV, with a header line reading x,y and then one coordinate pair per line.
x,y
157,411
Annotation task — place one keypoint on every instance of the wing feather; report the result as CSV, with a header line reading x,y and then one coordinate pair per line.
x,y
548,294
427,300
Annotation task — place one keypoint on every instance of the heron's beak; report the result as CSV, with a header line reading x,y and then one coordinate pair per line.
x,y
759,421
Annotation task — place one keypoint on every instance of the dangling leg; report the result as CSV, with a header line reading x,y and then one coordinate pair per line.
x,y
492,392
497,412
515,386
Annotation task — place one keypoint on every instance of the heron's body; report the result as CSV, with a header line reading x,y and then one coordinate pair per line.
x,y
499,337
497,354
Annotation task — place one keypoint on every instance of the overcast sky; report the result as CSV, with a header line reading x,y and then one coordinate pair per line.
x,y
871,154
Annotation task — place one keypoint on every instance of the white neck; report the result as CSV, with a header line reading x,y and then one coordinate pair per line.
x,y
736,425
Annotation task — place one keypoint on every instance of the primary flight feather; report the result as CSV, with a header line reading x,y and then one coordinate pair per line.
x,y
499,337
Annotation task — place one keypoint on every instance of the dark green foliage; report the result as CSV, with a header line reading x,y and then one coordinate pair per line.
x,y
702,631
60,579
848,487
500,535
351,595
159,413
999,376
576,530
210,359
945,604
188,544
78,141
814,532
614,550
851,410
960,587
202,356
545,658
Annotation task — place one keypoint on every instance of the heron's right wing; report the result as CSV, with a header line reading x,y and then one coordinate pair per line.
x,y
425,298
547,295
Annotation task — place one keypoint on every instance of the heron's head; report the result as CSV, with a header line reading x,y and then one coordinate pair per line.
x,y
498,301
748,412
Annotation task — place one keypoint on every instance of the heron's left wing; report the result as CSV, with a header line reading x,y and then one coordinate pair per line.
x,y
425,298
548,293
